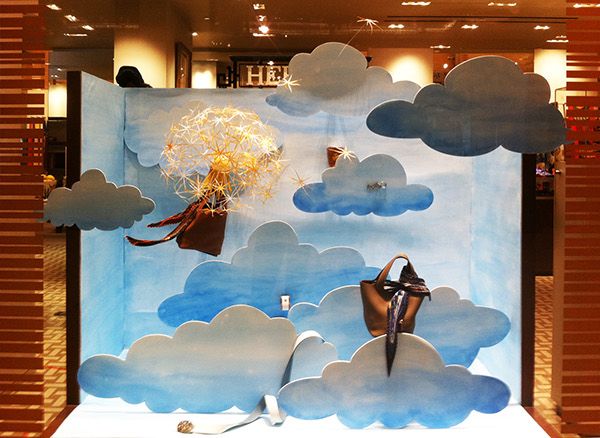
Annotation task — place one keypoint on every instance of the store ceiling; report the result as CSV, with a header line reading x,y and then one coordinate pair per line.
x,y
229,25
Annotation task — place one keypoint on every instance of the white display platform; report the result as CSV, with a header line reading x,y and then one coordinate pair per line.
x,y
115,418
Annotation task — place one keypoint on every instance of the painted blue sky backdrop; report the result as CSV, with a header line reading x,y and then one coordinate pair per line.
x,y
351,187
233,361
95,203
455,327
485,102
335,78
273,264
420,388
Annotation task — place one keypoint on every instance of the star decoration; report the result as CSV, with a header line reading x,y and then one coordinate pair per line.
x,y
346,154
299,181
369,22
289,83
220,154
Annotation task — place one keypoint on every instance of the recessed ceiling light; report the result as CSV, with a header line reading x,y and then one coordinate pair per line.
x,y
259,35
396,26
194,33
261,17
416,3
206,18
75,34
557,41
87,27
258,6
72,18
440,46
586,5
538,27
270,63
561,37
469,26
508,5
263,28
53,7
445,65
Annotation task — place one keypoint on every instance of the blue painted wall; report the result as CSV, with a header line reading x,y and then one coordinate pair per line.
x,y
102,267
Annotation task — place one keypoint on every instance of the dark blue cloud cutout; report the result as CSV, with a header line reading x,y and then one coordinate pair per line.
x,y
273,264
377,185
420,389
485,102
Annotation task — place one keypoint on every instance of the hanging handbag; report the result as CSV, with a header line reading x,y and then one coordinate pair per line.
x,y
390,307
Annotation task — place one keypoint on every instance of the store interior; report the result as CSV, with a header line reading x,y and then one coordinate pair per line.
x,y
237,53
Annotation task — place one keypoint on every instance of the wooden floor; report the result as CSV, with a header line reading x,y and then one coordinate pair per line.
x,y
55,339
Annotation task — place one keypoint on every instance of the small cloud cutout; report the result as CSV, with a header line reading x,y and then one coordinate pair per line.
x,y
455,327
377,185
234,360
420,389
273,264
335,78
147,137
95,203
485,103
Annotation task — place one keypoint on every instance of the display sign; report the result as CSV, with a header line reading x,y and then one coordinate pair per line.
x,y
261,75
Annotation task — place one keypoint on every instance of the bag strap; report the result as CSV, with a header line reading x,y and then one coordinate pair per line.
x,y
380,279
268,402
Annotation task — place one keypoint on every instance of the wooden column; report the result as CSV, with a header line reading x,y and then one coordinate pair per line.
x,y
579,376
23,77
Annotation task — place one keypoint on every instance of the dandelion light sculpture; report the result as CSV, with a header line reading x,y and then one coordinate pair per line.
x,y
211,158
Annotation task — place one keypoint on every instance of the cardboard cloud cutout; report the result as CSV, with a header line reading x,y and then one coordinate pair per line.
x,y
420,388
455,327
273,264
377,185
485,102
335,78
235,360
95,203
147,137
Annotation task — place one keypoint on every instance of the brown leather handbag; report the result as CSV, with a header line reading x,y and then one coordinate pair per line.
x,y
390,307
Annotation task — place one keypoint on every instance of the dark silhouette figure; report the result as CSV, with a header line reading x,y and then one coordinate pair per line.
x,y
130,77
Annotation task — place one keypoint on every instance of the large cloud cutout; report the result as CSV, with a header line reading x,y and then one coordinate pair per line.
x,y
146,136
95,203
273,264
375,185
235,360
455,327
486,102
335,78
420,388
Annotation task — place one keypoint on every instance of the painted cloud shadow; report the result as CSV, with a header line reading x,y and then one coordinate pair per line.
x,y
420,388
95,203
273,264
233,361
335,78
456,328
485,102
377,185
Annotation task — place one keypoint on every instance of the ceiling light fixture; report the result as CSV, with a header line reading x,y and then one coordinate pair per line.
x,y
561,37
557,41
509,5
71,18
586,5
87,27
75,34
396,26
194,34
270,63
261,17
263,28
260,35
440,46
539,27
258,6
469,26
445,65
53,7
416,3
